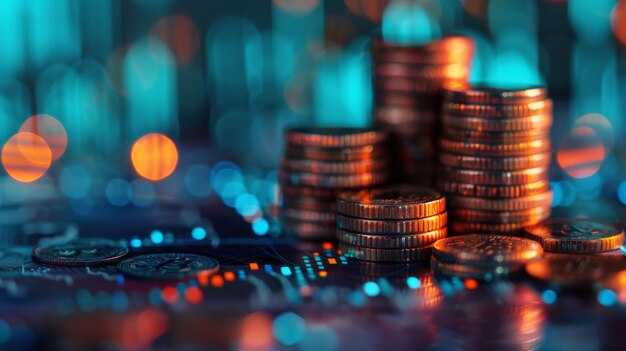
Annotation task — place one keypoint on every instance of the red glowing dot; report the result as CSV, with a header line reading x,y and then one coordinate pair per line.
x,y
327,246
229,276
180,35
471,284
154,156
194,295
254,266
332,260
581,153
217,281
323,274
169,294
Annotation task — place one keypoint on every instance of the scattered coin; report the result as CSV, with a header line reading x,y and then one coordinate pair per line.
x,y
81,252
572,270
575,235
168,266
486,249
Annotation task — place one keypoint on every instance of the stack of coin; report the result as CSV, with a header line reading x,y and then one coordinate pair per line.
x,y
394,224
408,82
319,164
483,256
494,154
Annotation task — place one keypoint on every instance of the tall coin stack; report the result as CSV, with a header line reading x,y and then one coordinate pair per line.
x,y
408,82
394,224
320,163
494,157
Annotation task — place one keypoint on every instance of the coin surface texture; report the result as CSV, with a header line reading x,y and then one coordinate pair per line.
x,y
486,249
81,252
168,266
575,235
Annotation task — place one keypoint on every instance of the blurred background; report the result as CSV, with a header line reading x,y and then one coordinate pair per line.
x,y
139,102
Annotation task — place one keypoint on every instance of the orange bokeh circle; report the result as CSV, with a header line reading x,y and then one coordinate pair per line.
x,y
50,130
154,156
26,157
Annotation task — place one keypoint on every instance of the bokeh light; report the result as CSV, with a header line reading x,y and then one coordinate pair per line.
x,y
371,9
296,6
618,21
154,156
407,23
256,332
50,130
289,328
581,153
601,125
26,157
180,35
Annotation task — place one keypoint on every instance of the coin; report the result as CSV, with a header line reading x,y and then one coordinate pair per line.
x,y
495,163
473,271
417,87
81,252
335,181
386,255
168,266
497,191
460,227
310,203
536,214
477,94
537,122
336,168
334,137
387,241
499,111
394,202
392,227
494,178
512,204
440,71
309,216
397,115
486,249
296,191
576,235
494,136
13,258
572,270
523,148
360,153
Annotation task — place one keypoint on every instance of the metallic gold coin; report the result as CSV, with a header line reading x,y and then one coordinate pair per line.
x,y
494,178
513,204
495,163
536,214
572,270
576,235
391,241
486,124
345,167
495,136
493,191
334,137
334,181
499,111
386,255
476,94
308,230
460,227
295,214
486,249
361,153
394,202
473,271
523,148
81,252
392,227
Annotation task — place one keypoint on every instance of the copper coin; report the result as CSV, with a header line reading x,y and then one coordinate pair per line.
x,y
474,135
362,153
295,214
494,191
473,271
385,255
460,227
334,137
486,249
391,241
417,87
499,111
346,167
310,203
524,176
572,270
576,235
513,204
461,44
481,94
397,115
452,71
536,122
536,214
334,181
392,227
394,202
495,163
522,148
321,193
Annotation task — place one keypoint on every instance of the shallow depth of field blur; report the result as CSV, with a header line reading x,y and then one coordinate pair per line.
x,y
132,102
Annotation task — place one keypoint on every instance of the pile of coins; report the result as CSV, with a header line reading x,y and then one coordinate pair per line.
x,y
483,256
319,164
494,154
408,82
394,224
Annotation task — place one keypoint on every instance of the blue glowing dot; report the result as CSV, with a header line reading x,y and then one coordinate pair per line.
x,y
157,236
607,297
247,205
557,194
118,192
356,298
371,289
289,328
260,226
548,296
318,338
119,301
135,242
154,296
231,191
198,233
621,192
413,282
197,180
5,331
74,181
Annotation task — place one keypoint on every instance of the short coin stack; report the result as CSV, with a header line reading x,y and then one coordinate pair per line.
x,y
494,155
320,163
408,82
394,224
483,256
